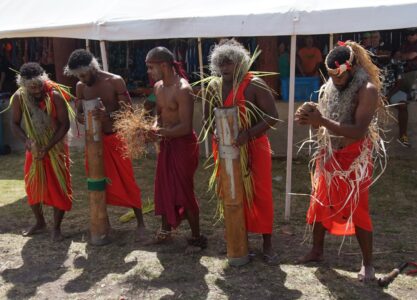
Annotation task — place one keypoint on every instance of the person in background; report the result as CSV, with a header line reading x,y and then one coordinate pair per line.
x,y
309,58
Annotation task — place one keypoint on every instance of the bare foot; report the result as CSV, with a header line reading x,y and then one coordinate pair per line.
x,y
312,256
196,244
162,237
271,259
366,274
142,236
38,227
192,250
57,236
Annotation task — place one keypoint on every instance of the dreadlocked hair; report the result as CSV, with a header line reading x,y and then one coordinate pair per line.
x,y
363,59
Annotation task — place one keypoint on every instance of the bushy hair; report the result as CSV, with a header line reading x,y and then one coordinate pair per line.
x,y
31,70
79,58
229,50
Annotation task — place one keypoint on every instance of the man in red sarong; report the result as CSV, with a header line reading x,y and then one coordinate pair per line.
x,y
231,62
122,189
42,105
348,138
178,156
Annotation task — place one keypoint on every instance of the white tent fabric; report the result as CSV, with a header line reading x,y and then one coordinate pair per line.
x,y
135,20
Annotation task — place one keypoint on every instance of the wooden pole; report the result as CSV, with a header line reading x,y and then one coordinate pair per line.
x,y
232,190
99,222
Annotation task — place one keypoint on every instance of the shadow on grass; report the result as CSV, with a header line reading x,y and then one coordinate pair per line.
x,y
178,275
102,261
337,284
39,266
256,281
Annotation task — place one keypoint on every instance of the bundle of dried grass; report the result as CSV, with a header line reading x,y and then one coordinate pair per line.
x,y
136,127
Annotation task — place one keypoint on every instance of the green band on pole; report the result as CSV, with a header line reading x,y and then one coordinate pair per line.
x,y
96,184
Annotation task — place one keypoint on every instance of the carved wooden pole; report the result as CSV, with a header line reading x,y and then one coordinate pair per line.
x,y
232,190
96,181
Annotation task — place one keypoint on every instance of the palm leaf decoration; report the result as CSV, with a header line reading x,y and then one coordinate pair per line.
x,y
212,97
36,176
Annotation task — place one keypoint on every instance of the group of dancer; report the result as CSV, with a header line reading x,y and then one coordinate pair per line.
x,y
347,142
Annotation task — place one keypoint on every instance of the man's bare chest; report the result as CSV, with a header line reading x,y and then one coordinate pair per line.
x,y
105,92
166,99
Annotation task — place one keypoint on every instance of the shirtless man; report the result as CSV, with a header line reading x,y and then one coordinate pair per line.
x,y
347,137
111,89
178,156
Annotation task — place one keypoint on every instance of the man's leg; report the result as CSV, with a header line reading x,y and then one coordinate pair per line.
x,y
141,232
40,221
402,119
165,225
364,238
316,252
163,235
197,242
56,233
270,257
193,219
267,246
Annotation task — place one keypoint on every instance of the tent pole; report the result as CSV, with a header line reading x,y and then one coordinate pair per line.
x,y
200,60
104,56
331,42
87,45
290,129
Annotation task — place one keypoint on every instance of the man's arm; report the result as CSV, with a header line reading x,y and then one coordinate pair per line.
x,y
209,110
79,93
16,120
121,90
62,124
367,105
185,100
408,55
264,101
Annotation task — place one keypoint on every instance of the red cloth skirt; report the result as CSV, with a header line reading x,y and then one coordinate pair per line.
x,y
259,216
174,179
122,190
53,194
336,203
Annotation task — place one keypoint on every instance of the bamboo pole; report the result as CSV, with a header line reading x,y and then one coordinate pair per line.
x,y
99,222
231,185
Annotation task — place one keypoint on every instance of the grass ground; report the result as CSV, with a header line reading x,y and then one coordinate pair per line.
x,y
36,268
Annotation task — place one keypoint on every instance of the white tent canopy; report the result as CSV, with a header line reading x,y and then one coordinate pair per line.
x,y
116,20
137,20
